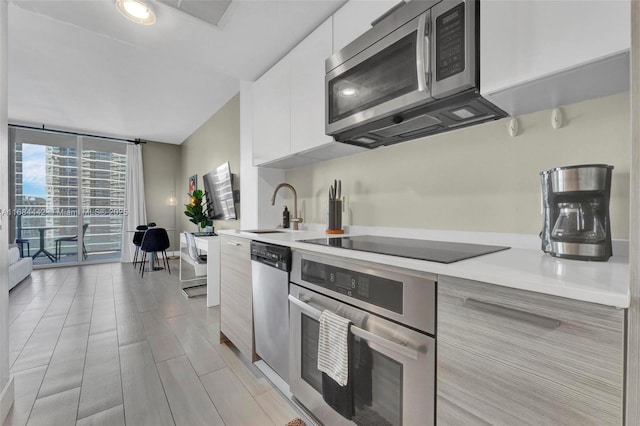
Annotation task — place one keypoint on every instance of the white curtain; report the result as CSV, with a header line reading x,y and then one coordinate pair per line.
x,y
134,201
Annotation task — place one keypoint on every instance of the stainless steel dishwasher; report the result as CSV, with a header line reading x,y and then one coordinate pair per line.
x,y
270,266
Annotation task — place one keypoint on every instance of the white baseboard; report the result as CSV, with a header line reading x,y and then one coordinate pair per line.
x,y
6,400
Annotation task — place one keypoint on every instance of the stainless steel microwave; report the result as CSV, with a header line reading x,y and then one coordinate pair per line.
x,y
414,73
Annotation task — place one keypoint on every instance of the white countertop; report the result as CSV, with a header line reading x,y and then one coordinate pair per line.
x,y
520,267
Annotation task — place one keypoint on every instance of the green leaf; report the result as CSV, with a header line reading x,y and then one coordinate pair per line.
x,y
196,210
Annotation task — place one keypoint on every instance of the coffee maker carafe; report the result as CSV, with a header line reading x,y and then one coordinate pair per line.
x,y
575,203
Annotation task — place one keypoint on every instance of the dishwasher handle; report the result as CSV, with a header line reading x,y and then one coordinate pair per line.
x,y
279,264
278,257
266,261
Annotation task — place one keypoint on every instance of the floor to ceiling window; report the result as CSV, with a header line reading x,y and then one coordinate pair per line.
x,y
104,167
69,197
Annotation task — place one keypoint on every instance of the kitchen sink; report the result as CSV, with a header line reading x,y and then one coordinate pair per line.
x,y
262,231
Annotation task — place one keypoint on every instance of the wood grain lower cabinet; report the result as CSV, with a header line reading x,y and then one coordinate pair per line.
x,y
236,299
513,357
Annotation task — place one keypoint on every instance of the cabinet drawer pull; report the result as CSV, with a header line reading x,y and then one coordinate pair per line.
x,y
233,243
534,319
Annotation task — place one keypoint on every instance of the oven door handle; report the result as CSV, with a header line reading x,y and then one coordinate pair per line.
x,y
361,333
385,343
315,313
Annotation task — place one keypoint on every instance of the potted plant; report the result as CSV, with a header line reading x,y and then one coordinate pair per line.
x,y
196,210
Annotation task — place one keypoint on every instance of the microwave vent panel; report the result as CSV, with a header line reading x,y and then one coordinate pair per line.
x,y
420,122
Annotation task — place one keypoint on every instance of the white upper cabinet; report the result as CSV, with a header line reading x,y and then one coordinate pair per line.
x,y
307,89
289,99
355,18
552,51
272,114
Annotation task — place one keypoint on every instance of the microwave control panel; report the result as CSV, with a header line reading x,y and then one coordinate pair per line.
x,y
450,36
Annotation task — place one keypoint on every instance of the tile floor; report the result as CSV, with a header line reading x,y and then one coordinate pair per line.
x,y
99,345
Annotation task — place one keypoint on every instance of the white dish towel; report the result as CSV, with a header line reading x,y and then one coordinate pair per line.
x,y
333,351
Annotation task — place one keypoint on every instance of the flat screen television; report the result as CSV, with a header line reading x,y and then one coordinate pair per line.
x,y
218,189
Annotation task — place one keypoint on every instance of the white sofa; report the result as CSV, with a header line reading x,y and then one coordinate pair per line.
x,y
19,268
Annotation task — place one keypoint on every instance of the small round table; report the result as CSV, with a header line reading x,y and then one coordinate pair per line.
x,y
42,249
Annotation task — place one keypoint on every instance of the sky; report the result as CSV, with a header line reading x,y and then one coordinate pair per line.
x,y
33,170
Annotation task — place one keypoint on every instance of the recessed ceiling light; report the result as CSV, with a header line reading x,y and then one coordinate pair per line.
x,y
136,11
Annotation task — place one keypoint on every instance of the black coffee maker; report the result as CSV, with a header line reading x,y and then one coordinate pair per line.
x,y
575,202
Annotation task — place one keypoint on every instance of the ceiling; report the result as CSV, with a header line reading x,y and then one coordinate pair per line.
x,y
79,65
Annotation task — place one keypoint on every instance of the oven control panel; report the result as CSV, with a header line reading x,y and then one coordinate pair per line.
x,y
383,292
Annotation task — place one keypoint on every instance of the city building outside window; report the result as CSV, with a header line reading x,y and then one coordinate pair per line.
x,y
62,181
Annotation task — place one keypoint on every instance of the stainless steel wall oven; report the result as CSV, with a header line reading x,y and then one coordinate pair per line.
x,y
392,361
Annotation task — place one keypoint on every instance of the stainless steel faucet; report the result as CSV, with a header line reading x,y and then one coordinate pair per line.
x,y
295,219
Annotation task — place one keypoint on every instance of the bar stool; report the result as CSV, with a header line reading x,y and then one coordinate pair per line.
x,y
137,241
155,240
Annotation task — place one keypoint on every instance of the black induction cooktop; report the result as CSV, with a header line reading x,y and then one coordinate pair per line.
x,y
433,251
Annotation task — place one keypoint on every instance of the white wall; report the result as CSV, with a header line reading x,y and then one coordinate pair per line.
x,y
161,165
248,187
478,178
257,184
215,142
6,394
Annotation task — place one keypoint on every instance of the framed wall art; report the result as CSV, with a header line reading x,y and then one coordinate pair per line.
x,y
193,183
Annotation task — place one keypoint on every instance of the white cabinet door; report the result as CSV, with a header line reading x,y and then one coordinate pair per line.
x,y
527,39
355,18
307,89
272,114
